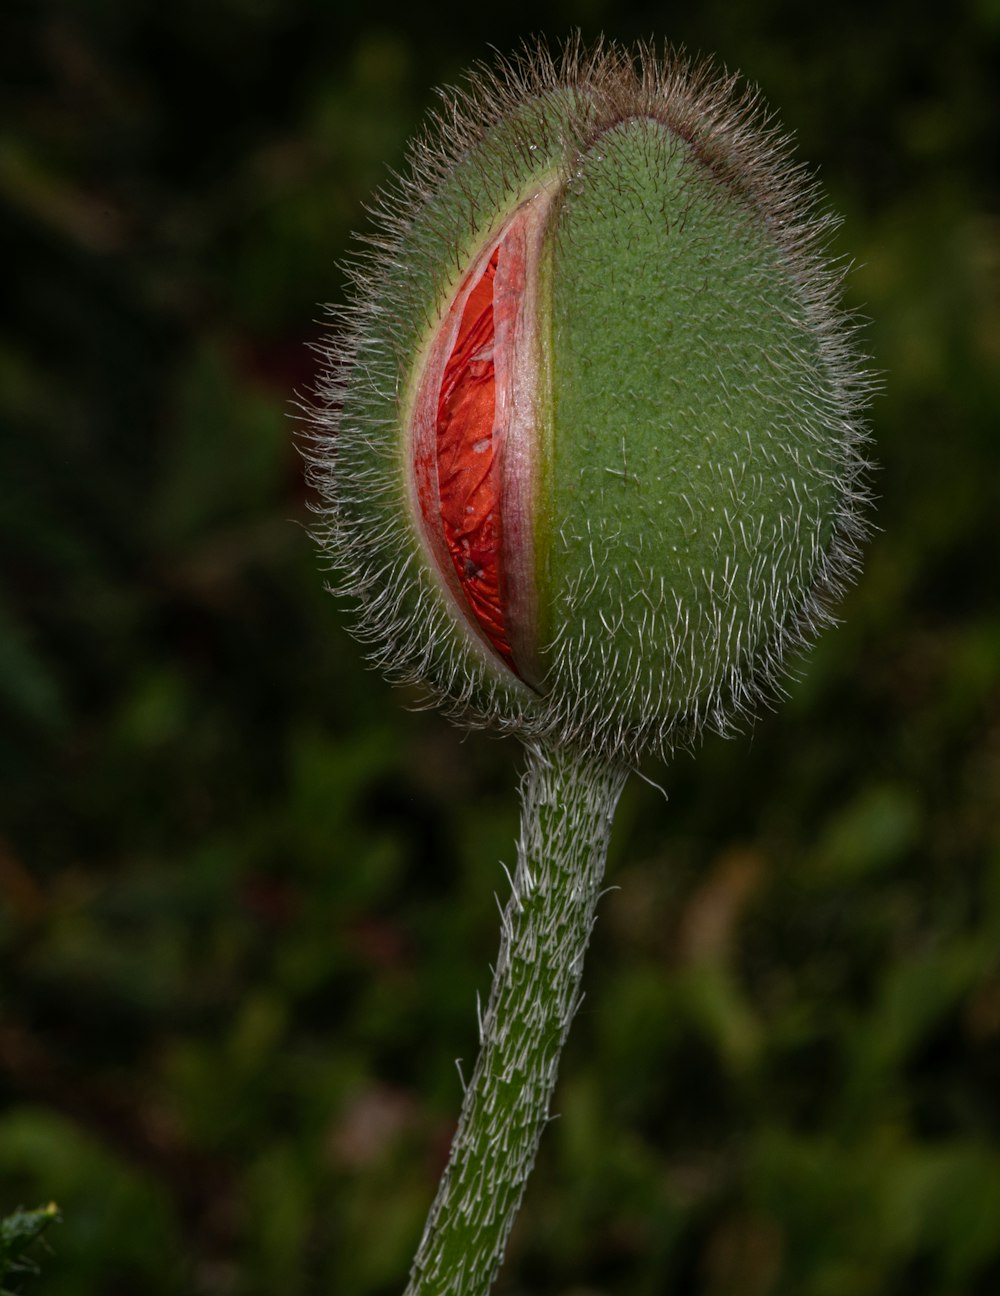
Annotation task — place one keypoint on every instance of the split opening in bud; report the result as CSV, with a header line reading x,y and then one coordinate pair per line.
x,y
480,411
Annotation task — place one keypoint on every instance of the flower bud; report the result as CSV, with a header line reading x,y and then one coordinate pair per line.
x,y
589,444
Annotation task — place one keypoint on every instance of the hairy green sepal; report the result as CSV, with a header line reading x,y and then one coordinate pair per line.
x,y
690,482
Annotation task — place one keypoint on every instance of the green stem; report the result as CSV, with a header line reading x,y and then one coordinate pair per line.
x,y
567,805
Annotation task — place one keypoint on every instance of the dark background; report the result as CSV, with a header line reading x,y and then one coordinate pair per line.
x,y
246,895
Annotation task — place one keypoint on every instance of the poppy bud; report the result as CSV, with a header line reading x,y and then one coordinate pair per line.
x,y
588,447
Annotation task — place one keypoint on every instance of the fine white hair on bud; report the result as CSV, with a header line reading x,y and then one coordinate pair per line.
x,y
589,440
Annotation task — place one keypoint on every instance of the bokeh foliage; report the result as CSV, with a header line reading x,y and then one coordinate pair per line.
x,y
247,897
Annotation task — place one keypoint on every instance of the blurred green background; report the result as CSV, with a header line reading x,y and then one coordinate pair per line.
x,y
247,895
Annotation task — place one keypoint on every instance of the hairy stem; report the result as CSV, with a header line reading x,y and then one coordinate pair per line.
x,y
567,805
